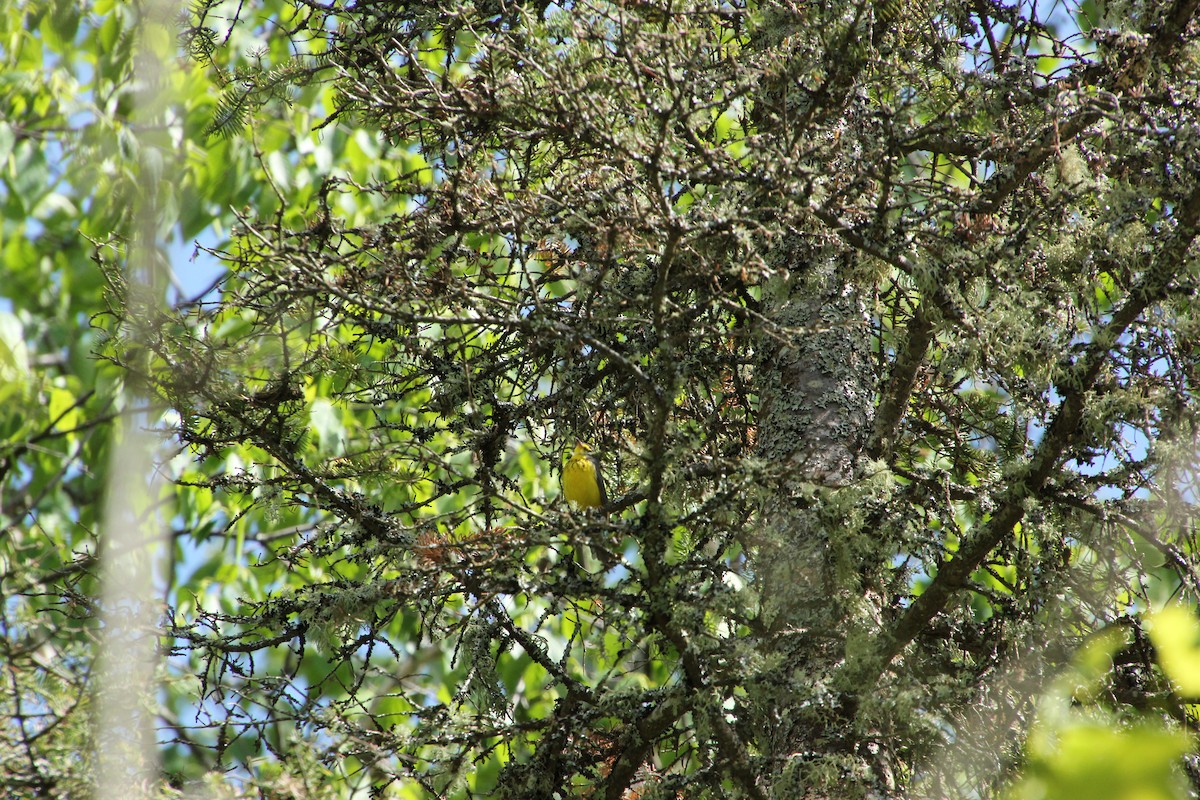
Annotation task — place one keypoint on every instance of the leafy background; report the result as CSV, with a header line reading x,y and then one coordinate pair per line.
x,y
361,363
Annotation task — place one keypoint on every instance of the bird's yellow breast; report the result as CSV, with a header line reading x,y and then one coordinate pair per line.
x,y
581,485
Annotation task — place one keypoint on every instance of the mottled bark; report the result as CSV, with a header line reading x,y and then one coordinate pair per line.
x,y
814,375
815,386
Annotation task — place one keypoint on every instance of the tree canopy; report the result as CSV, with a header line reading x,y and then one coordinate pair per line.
x,y
881,317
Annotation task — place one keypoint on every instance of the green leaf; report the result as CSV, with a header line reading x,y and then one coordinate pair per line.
x,y
323,417
1100,762
14,355
1176,636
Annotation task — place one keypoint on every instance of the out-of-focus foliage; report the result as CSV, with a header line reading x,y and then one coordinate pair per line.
x,y
1093,738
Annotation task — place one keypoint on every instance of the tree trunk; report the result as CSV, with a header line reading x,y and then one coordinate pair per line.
x,y
815,382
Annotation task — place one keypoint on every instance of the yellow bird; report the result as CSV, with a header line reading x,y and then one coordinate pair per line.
x,y
582,483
